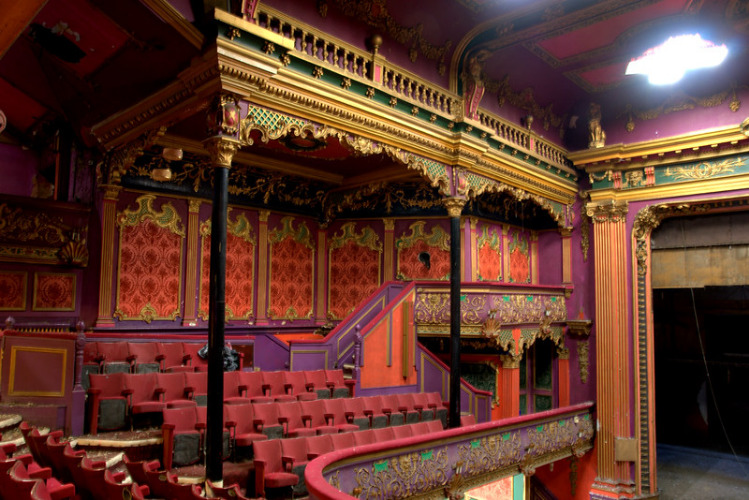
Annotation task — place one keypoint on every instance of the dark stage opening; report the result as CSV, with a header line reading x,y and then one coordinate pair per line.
x,y
701,339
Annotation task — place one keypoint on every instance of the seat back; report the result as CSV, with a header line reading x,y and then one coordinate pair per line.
x,y
172,385
297,386
402,431
251,386
144,356
319,383
190,351
171,354
108,385
296,449
142,387
269,452
342,440
114,356
362,438
196,383
273,384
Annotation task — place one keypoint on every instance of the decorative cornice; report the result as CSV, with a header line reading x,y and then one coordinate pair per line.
x,y
624,156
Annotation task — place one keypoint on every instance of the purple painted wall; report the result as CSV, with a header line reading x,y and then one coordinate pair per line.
x,y
549,258
17,169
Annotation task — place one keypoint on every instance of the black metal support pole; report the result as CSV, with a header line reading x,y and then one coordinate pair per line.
x,y
217,313
454,402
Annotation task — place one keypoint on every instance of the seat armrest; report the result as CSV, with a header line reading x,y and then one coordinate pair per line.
x,y
312,456
258,425
169,427
368,412
43,473
119,476
349,382
288,463
160,357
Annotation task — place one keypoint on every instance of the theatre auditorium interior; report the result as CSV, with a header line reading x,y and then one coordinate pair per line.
x,y
331,249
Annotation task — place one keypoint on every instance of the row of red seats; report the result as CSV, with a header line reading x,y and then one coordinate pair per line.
x,y
141,357
245,424
116,398
280,463
93,478
62,463
163,484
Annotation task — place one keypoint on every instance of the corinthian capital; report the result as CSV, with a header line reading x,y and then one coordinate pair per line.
x,y
454,206
611,211
222,150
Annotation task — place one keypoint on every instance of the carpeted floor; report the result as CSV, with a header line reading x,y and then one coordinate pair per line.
x,y
690,473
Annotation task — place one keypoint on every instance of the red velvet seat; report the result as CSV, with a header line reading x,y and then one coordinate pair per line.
x,y
144,395
144,357
294,451
196,387
422,404
421,428
173,358
406,406
271,471
107,403
251,387
192,358
434,426
36,441
313,414
325,443
56,451
239,420
374,408
163,484
290,416
94,472
7,462
266,419
171,389
466,420
340,386
439,406
296,385
136,468
231,492
73,461
114,357
318,383
233,393
384,434
274,386
21,482
335,415
341,441
182,433
362,438
91,363
402,431
390,407
355,413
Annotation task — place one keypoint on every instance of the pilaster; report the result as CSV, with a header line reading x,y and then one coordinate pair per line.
x,y
322,274
613,367
262,268
510,383
566,234
191,271
106,276
388,266
472,250
534,257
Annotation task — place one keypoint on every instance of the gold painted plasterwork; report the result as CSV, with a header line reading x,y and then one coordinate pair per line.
x,y
403,476
704,170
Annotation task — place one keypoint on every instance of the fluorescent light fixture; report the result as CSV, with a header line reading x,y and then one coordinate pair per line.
x,y
667,63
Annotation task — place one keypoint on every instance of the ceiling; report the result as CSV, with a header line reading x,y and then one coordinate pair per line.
x,y
78,62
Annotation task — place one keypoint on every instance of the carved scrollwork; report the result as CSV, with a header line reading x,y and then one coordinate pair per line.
x,y
403,476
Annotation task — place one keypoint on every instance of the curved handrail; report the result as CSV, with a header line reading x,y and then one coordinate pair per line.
x,y
455,458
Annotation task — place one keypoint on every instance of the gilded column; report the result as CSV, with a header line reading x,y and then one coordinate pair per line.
x,y
454,209
563,377
505,253
222,144
509,390
191,272
106,282
388,266
613,366
322,274
534,257
262,268
566,234
472,257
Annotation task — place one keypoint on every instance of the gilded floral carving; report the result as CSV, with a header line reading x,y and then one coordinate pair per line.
x,y
404,475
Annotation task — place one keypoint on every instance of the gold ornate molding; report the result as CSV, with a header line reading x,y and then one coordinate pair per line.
x,y
615,211
222,151
454,206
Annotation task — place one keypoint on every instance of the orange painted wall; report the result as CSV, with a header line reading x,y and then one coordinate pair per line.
x,y
383,349
558,479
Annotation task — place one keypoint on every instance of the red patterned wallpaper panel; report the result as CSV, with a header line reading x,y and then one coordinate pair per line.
x,y
291,271
489,246
54,292
424,255
354,269
12,291
150,267
520,269
240,269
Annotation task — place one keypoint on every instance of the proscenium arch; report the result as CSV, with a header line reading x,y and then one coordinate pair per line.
x,y
646,220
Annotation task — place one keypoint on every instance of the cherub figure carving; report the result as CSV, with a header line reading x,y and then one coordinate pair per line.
x,y
597,138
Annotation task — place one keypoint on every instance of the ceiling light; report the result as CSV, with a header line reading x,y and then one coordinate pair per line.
x,y
667,63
